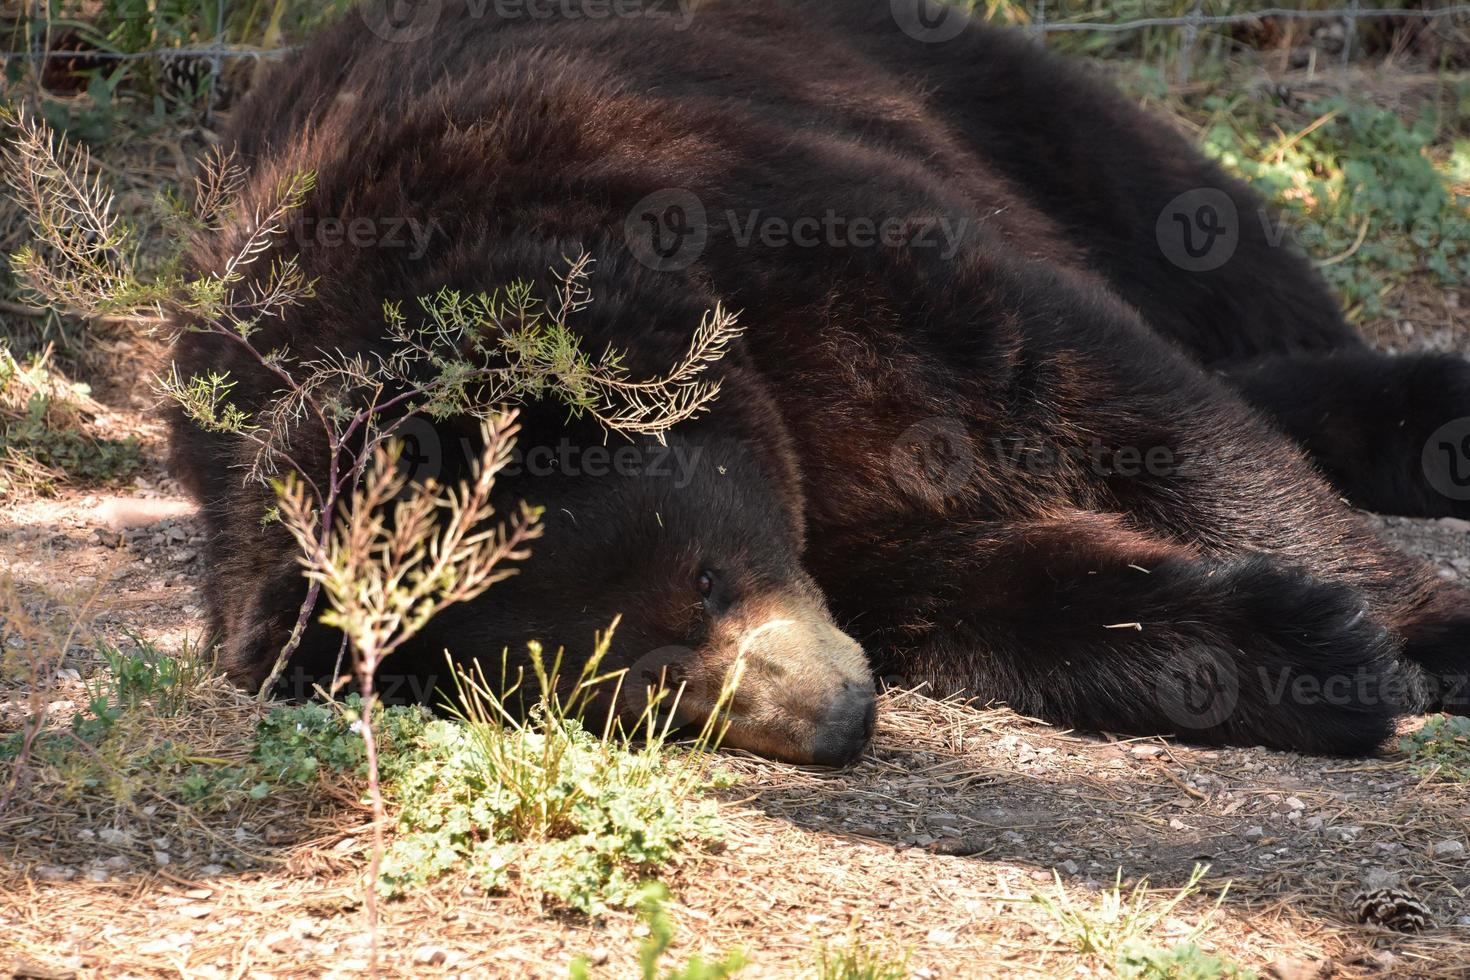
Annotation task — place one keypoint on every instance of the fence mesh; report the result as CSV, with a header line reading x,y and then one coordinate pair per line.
x,y
1044,17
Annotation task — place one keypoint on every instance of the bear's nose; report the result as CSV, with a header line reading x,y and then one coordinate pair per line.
x,y
847,726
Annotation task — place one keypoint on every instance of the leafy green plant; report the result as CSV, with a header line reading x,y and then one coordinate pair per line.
x,y
1186,961
652,900
1359,188
297,744
146,673
1118,930
46,437
95,100
1441,747
581,814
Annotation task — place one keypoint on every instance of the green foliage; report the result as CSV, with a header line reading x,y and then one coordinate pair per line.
x,y
854,960
1359,188
101,100
148,675
1183,962
295,745
123,742
651,901
45,436
1441,747
1117,930
581,816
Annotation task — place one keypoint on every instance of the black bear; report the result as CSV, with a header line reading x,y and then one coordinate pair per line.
x,y
1029,403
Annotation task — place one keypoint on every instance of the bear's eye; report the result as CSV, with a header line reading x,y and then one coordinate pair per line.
x,y
705,583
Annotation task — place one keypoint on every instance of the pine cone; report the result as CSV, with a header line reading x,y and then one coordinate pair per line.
x,y
1392,908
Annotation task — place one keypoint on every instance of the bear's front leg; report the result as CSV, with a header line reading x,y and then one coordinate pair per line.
x,y
1086,623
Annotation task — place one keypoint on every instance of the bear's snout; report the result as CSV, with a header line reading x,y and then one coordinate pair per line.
x,y
847,727
805,694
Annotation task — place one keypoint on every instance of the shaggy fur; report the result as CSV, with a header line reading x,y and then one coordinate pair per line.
x,y
1017,451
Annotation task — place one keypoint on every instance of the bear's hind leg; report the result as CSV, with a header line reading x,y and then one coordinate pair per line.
x,y
1086,623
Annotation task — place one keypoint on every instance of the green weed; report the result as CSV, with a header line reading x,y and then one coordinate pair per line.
x,y
651,901
855,960
1118,930
1359,187
46,437
1441,747
584,815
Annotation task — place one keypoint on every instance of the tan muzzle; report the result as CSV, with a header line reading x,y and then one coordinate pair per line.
x,y
801,690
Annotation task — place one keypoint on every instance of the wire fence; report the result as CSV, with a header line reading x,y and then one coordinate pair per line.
x,y
1042,23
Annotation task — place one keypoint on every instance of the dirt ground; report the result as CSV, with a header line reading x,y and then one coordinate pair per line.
x,y
934,843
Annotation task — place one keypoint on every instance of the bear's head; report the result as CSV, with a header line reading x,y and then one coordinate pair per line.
x,y
693,544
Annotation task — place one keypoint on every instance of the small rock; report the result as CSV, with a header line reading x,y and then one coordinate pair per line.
x,y
1447,848
117,513
160,858
430,956
1256,831
940,937
1380,878
1295,803
22,969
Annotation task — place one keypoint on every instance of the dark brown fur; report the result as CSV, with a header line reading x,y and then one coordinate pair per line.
x,y
937,441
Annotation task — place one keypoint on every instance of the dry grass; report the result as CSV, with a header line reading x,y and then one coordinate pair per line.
x,y
936,842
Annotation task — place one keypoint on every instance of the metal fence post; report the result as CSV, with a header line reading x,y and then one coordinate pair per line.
x,y
1351,34
1191,38
216,61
